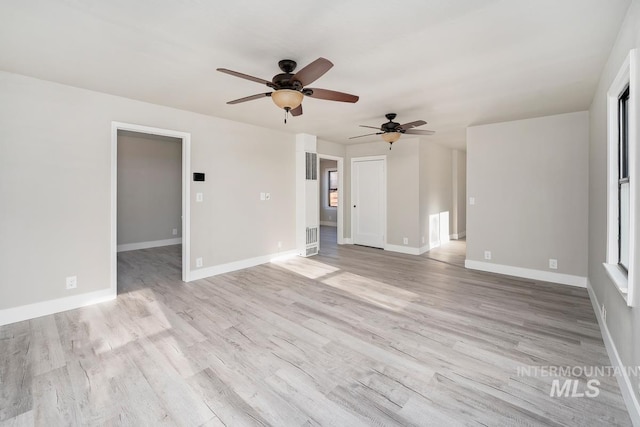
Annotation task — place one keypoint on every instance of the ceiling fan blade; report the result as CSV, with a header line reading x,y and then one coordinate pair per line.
x,y
419,132
369,134
245,76
370,127
297,111
332,95
410,125
249,98
313,71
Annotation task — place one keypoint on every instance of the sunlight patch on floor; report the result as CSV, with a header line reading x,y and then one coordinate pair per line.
x,y
307,267
381,294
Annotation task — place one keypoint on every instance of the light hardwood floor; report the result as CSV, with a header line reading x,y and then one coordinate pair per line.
x,y
354,336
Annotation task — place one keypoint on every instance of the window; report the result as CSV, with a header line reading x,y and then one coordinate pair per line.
x,y
332,180
623,180
622,170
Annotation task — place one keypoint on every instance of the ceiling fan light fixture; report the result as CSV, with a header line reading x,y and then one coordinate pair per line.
x,y
287,99
391,137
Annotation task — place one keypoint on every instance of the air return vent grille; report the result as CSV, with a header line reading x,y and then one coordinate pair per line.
x,y
311,166
312,251
312,235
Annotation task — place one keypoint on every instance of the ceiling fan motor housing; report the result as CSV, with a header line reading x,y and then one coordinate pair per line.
x,y
390,126
283,81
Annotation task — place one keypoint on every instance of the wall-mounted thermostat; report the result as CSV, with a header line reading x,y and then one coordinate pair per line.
x,y
198,176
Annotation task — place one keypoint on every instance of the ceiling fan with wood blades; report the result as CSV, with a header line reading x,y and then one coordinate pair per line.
x,y
391,131
289,89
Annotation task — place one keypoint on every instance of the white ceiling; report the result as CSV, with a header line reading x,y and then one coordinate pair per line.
x,y
451,63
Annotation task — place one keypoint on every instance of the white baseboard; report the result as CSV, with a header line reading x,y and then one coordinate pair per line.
x,y
429,246
402,249
459,235
624,382
347,241
146,245
44,308
329,223
528,273
202,273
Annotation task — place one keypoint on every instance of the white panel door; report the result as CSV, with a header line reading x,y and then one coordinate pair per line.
x,y
368,201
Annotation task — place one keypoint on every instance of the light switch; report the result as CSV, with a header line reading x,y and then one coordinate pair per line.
x,y
472,200
199,197
263,196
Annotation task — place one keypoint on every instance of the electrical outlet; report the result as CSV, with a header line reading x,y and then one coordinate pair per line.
x,y
72,282
199,197
487,254
174,231
405,240
263,196
553,263
472,200
198,262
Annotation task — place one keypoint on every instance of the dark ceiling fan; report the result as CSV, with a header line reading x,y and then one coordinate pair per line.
x,y
391,131
289,89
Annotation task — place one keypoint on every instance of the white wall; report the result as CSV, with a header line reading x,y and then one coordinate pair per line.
x,y
330,148
529,180
149,187
328,214
55,186
623,323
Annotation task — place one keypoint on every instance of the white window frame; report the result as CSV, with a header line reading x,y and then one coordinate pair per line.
x,y
627,76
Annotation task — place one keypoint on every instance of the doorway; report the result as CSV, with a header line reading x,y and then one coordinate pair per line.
x,y
369,201
184,220
331,199
328,202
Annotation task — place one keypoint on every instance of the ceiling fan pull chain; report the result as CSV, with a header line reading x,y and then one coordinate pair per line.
x,y
286,112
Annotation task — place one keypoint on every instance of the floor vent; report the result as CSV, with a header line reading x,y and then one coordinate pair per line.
x,y
312,251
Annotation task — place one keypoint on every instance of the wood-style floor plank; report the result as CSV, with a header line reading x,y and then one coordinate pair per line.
x,y
353,336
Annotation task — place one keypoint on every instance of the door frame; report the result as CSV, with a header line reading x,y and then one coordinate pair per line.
x,y
384,195
186,206
340,209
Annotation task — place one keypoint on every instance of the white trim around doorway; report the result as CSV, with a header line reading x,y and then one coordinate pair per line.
x,y
186,198
340,209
